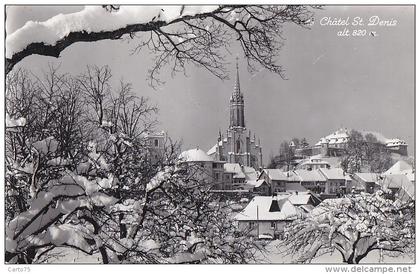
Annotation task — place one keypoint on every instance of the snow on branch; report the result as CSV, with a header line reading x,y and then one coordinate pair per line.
x,y
93,23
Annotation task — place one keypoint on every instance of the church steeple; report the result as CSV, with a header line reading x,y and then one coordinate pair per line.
x,y
237,88
237,117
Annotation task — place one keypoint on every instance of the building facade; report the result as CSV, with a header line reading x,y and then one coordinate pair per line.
x,y
237,145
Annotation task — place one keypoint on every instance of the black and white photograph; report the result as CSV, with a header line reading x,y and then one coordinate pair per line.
x,y
262,134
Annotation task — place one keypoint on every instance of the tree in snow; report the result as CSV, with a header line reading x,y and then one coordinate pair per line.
x,y
365,153
354,226
178,35
99,191
284,157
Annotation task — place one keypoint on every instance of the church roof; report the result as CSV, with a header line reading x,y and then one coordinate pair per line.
x,y
194,155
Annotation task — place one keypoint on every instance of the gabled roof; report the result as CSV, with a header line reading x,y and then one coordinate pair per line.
x,y
255,183
399,181
259,209
275,174
292,176
250,173
334,173
299,198
212,150
234,168
398,168
310,175
367,177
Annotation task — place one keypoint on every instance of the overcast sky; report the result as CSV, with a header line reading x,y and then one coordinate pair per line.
x,y
365,83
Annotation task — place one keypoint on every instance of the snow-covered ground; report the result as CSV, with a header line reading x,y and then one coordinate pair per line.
x,y
274,255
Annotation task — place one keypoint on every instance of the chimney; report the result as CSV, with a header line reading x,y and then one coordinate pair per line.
x,y
274,207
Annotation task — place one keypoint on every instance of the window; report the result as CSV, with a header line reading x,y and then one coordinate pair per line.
x,y
251,224
273,225
156,142
217,175
238,145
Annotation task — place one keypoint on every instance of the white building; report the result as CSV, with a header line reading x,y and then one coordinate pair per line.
x,y
267,216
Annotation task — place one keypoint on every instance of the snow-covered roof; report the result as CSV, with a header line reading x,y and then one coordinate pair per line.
x,y
312,162
250,173
259,209
212,150
299,198
399,167
396,142
292,176
341,133
234,168
310,175
255,183
383,140
194,155
338,137
367,176
275,174
399,181
334,173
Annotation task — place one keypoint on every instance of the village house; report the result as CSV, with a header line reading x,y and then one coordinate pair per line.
x,y
401,187
337,181
275,178
259,187
365,182
267,216
312,180
200,165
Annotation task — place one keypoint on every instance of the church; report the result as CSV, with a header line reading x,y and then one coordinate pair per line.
x,y
237,145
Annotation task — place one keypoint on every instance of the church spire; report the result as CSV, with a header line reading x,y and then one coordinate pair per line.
x,y
237,88
237,118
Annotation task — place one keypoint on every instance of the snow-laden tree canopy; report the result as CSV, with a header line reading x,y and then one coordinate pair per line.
x,y
96,20
354,226
175,34
80,175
